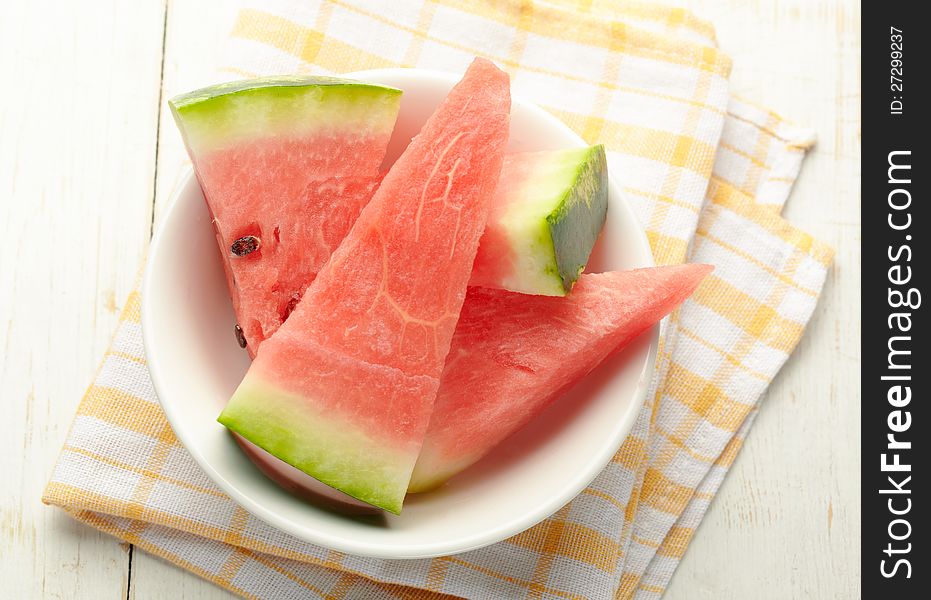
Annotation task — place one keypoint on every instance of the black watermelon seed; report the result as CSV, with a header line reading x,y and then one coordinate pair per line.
x,y
292,304
245,245
240,336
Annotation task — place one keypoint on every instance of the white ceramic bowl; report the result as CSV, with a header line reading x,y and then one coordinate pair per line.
x,y
196,364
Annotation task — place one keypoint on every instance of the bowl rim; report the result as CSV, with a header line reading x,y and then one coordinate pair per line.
x,y
573,486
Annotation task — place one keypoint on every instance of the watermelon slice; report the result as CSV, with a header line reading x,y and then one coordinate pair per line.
x,y
547,212
344,390
286,165
495,350
513,354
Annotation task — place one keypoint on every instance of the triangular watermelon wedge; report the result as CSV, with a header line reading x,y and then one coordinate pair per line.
x,y
513,354
286,165
344,390
546,214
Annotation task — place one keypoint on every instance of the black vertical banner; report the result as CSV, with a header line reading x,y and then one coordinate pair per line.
x,y
896,143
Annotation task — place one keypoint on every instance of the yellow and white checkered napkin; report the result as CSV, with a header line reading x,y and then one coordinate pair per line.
x,y
707,175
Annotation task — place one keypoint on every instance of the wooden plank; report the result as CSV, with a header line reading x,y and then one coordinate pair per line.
x,y
197,31
77,132
154,578
786,523
194,42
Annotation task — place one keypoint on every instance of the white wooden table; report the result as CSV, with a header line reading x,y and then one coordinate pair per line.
x,y
87,154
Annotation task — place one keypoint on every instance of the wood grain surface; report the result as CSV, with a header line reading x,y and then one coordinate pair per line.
x,y
88,156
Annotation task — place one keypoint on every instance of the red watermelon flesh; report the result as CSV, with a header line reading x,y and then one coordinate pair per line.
x,y
266,285
344,390
513,354
286,165
491,386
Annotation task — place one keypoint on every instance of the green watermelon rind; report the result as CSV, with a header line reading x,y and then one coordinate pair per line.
x,y
334,453
554,223
216,115
275,85
577,221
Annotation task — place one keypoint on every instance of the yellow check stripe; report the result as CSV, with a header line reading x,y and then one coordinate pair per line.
x,y
237,526
725,195
82,499
436,575
676,150
558,23
594,127
145,472
770,117
606,497
663,494
342,587
530,585
663,198
672,17
653,589
746,193
665,251
761,153
334,559
338,56
631,453
729,454
126,356
235,561
758,319
633,503
705,398
643,541
666,248
571,540
551,534
733,249
155,463
627,587
122,409
132,311
301,42
304,43
728,356
788,180
415,47
676,542
679,442
273,565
